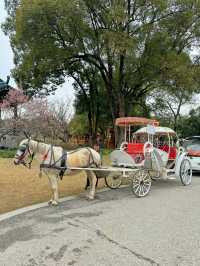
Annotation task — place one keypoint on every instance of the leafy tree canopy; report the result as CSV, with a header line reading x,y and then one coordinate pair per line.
x,y
79,125
136,46
190,125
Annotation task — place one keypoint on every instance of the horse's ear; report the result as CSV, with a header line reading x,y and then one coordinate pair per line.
x,y
27,135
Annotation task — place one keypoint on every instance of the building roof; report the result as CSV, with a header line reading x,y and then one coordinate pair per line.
x,y
4,86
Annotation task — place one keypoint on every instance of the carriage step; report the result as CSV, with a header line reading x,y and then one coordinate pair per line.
x,y
171,178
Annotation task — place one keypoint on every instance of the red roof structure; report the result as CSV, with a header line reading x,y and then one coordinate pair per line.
x,y
135,121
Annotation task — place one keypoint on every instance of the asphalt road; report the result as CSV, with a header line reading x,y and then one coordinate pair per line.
x,y
114,229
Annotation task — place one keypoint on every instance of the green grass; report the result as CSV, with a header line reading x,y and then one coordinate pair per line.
x,y
106,151
10,153
7,153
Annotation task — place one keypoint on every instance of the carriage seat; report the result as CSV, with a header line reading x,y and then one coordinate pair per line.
x,y
172,152
135,150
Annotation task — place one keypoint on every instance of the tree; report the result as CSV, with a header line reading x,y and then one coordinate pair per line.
x,y
131,43
190,125
13,100
167,105
91,98
47,120
175,89
4,88
79,125
62,113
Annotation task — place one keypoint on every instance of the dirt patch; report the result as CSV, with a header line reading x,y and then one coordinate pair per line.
x,y
21,187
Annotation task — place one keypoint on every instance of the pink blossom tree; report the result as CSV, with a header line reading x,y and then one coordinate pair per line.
x,y
13,99
46,119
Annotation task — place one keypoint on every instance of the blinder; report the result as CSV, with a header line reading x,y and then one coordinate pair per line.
x,y
23,147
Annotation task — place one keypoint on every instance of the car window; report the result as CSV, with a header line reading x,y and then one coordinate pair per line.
x,y
193,145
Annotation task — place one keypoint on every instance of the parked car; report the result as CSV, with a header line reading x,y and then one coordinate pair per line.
x,y
192,145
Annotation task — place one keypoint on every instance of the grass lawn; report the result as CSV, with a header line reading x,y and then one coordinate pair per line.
x,y
21,187
7,153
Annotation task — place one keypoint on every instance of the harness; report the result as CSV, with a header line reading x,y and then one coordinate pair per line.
x,y
53,164
24,149
59,164
91,157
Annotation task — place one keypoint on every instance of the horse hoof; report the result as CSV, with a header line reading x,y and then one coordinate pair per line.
x,y
50,202
54,203
90,197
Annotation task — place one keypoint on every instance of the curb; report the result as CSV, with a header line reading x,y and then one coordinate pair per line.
x,y
14,213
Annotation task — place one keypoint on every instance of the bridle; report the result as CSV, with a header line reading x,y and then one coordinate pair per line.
x,y
24,148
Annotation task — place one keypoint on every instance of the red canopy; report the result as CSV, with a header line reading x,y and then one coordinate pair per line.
x,y
136,121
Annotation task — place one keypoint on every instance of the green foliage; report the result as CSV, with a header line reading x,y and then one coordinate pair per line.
x,y
106,152
49,31
7,153
78,125
166,103
190,125
133,46
91,98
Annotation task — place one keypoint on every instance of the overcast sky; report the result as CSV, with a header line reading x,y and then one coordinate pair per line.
x,y
6,62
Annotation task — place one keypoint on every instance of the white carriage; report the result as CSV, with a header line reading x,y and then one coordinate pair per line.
x,y
151,152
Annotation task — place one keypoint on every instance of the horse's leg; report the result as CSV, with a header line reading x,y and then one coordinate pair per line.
x,y
97,181
54,186
92,179
88,183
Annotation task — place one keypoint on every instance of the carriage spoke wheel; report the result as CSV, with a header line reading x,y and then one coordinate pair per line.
x,y
113,181
186,172
141,183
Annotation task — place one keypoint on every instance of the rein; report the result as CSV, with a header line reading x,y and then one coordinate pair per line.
x,y
30,162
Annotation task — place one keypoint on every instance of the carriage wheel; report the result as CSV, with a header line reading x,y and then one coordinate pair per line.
x,y
113,181
186,172
141,183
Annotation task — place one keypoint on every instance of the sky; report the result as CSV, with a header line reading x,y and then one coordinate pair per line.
x,y
6,64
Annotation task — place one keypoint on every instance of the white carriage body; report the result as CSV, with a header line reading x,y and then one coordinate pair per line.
x,y
151,149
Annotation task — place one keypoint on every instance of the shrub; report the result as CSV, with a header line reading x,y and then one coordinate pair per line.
x,y
7,153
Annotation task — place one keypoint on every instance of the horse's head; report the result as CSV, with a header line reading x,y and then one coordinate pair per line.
x,y
24,153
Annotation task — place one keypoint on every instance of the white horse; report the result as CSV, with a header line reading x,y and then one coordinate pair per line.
x,y
54,161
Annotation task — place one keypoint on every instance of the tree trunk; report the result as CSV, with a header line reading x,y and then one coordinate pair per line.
x,y
119,131
175,122
15,111
90,127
